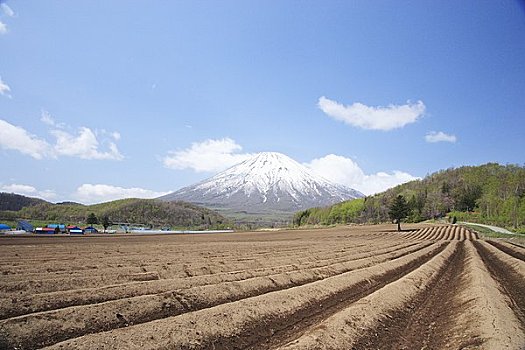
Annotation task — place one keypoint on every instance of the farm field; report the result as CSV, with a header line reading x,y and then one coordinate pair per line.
x,y
359,287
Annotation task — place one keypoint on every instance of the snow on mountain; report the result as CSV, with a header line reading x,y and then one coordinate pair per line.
x,y
269,181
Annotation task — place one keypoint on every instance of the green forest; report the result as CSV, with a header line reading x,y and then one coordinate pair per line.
x,y
489,194
147,212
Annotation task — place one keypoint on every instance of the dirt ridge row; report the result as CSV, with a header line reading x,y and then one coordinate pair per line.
x,y
252,320
512,250
358,319
365,324
447,232
20,305
124,312
509,272
47,284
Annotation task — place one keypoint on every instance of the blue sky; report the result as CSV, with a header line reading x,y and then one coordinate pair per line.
x,y
106,99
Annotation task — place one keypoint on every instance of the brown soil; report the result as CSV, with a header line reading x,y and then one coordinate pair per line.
x,y
511,283
511,250
425,321
308,318
259,290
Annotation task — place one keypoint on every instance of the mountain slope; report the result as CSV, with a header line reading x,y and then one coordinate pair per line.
x,y
12,201
267,182
138,211
489,193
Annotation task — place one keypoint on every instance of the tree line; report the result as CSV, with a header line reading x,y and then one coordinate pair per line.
x,y
490,193
151,212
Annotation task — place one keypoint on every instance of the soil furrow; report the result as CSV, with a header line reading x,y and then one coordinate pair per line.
x,y
351,287
478,316
344,329
425,321
511,283
20,305
51,284
295,330
517,245
512,252
105,316
253,321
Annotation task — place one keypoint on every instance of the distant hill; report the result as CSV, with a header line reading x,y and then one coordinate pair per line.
x,y
149,212
11,201
489,193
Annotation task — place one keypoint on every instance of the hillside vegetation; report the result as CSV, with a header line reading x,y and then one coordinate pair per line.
x,y
149,212
490,193
11,201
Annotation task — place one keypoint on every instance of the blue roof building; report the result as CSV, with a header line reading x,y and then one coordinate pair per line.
x,y
25,225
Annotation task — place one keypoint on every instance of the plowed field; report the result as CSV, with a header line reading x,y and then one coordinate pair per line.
x,y
369,287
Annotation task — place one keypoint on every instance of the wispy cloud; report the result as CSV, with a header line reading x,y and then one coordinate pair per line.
x,y
373,118
439,136
346,172
30,191
7,10
3,28
4,88
97,193
82,143
206,156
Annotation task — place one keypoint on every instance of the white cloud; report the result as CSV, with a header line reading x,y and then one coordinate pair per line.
x,y
83,145
375,118
7,10
345,171
439,136
4,88
382,181
30,191
338,169
90,193
16,138
3,28
209,155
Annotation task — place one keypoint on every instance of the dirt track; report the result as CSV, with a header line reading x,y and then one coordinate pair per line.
x,y
431,287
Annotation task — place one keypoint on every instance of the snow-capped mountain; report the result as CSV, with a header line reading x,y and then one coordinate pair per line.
x,y
269,181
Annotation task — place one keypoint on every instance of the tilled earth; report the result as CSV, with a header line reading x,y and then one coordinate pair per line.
x,y
360,287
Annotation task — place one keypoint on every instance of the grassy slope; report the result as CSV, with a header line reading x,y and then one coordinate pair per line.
x,y
137,211
495,192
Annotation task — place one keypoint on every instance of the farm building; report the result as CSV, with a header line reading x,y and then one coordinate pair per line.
x,y
72,229
75,230
46,230
90,229
59,227
24,225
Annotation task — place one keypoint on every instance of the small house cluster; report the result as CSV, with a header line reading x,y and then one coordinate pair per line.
x,y
24,226
69,229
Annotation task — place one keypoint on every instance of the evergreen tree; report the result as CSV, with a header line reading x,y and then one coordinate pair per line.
x,y
92,219
399,210
105,222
